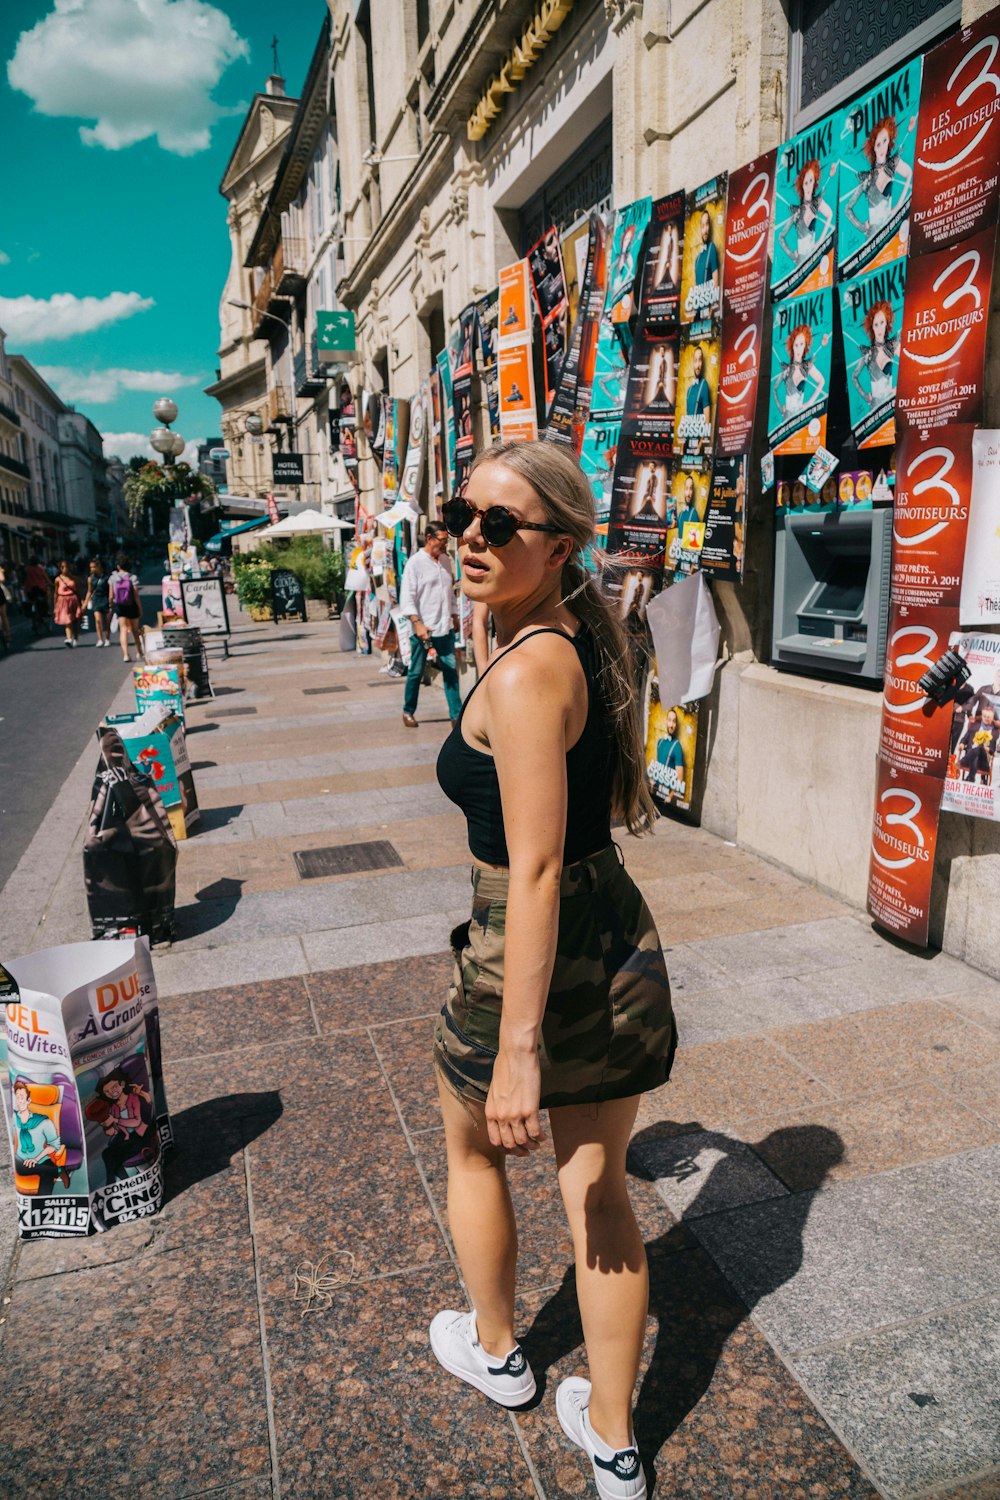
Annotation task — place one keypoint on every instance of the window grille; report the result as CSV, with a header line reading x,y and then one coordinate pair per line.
x,y
582,183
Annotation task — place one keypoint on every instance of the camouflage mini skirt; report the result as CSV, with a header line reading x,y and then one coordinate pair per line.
x,y
608,1029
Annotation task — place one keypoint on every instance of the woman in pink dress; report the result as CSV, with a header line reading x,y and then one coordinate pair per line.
x,y
67,603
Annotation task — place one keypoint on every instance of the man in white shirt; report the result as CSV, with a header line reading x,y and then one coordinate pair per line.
x,y
427,598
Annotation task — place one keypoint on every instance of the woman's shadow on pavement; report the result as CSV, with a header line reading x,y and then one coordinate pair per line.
x,y
695,1309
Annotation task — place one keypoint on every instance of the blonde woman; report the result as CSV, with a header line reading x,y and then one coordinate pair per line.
x,y
561,999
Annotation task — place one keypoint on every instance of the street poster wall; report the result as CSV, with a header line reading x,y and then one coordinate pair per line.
x,y
931,516
518,412
660,288
437,441
973,781
614,340
724,538
749,211
801,346
413,463
871,316
805,211
904,837
488,319
876,136
956,183
979,603
698,362
82,1085
943,345
462,396
597,460
548,280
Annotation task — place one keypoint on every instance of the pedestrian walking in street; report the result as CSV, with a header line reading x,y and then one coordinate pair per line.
x,y
427,597
6,600
560,999
66,608
97,602
123,591
37,587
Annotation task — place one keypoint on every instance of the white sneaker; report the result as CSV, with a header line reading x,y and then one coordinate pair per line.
x,y
456,1346
618,1474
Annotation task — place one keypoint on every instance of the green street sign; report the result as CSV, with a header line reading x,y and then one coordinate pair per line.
x,y
336,339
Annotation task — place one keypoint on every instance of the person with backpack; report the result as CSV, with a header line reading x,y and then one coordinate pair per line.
x,y
123,589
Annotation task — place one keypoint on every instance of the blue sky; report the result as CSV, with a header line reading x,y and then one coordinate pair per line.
x,y
118,118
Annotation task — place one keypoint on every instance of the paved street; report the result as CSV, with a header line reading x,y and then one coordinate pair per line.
x,y
818,1185
51,699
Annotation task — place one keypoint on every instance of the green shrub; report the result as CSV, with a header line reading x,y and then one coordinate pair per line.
x,y
319,569
253,581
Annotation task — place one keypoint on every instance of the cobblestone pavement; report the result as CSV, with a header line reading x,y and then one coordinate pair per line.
x,y
817,1185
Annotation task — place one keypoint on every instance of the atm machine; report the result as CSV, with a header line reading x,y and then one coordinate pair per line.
x,y
831,594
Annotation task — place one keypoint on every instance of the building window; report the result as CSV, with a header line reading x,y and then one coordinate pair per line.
x,y
840,46
583,183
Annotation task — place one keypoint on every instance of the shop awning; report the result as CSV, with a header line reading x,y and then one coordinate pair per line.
x,y
214,543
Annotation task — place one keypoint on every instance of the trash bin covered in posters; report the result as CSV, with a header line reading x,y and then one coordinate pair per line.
x,y
129,850
82,1084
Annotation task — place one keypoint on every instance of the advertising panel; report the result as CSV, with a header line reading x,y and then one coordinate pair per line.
x,y
980,598
955,179
915,730
660,289
671,741
518,421
943,346
515,301
697,390
722,550
876,136
800,373
641,502
651,390
748,224
931,516
597,460
548,278
805,211
623,261
973,784
704,256
871,315
904,837
688,517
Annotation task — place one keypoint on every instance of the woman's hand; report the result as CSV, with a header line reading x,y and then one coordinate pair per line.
x,y
512,1116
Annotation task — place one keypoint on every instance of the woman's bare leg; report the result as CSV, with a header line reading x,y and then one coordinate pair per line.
x,y
612,1281
99,626
481,1218
137,633
123,638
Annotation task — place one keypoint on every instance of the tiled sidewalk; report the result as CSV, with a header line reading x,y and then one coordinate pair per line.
x,y
818,1185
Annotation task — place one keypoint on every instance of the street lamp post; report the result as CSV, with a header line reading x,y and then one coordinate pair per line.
x,y
167,443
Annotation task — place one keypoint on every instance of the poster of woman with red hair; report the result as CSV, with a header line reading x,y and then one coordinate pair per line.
x,y
805,211
871,317
876,137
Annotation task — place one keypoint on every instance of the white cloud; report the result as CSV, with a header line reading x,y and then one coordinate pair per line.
x,y
106,385
138,68
32,320
125,445
4,258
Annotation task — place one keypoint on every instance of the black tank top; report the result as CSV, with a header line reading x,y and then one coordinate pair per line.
x,y
469,776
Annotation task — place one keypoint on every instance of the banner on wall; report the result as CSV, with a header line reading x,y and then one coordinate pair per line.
x,y
871,316
722,550
624,259
641,503
590,331
801,340
690,489
515,302
651,389
697,390
561,418
943,345
461,395
904,837
876,137
487,324
445,365
704,255
979,603
413,463
749,207
660,287
518,419
973,782
805,211
915,734
671,742
597,460
575,246
955,180
931,516
548,279
437,441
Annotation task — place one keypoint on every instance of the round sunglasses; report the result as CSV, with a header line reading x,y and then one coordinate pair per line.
x,y
498,524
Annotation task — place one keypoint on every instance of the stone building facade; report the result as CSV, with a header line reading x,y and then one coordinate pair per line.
x,y
464,129
20,532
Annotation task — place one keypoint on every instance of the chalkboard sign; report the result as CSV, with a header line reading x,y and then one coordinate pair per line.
x,y
287,597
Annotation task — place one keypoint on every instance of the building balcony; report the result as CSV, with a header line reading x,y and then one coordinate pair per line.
x,y
268,302
289,266
14,466
280,406
310,376
10,414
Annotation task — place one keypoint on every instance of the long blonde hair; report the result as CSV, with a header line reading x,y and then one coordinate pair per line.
x,y
566,498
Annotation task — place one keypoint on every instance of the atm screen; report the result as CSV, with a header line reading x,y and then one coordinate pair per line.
x,y
841,594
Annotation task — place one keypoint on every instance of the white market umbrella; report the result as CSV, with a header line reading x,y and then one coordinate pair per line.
x,y
306,521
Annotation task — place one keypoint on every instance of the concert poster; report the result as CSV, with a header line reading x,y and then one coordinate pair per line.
x,y
515,301
592,307
623,260
704,256
597,460
943,345
671,741
871,316
916,731
972,786
554,340
660,289
631,580
437,443
562,421
930,520
575,245
876,138
488,315
805,211
518,420
651,390
722,550
801,340
697,390
444,368
687,518
548,276
904,837
979,603
641,508
955,177
749,206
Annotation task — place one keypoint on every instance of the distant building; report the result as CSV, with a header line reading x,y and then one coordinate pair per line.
x,y
21,527
212,468
85,478
41,410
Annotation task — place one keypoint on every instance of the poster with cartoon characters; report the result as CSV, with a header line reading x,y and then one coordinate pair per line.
x,y
871,317
876,138
805,211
